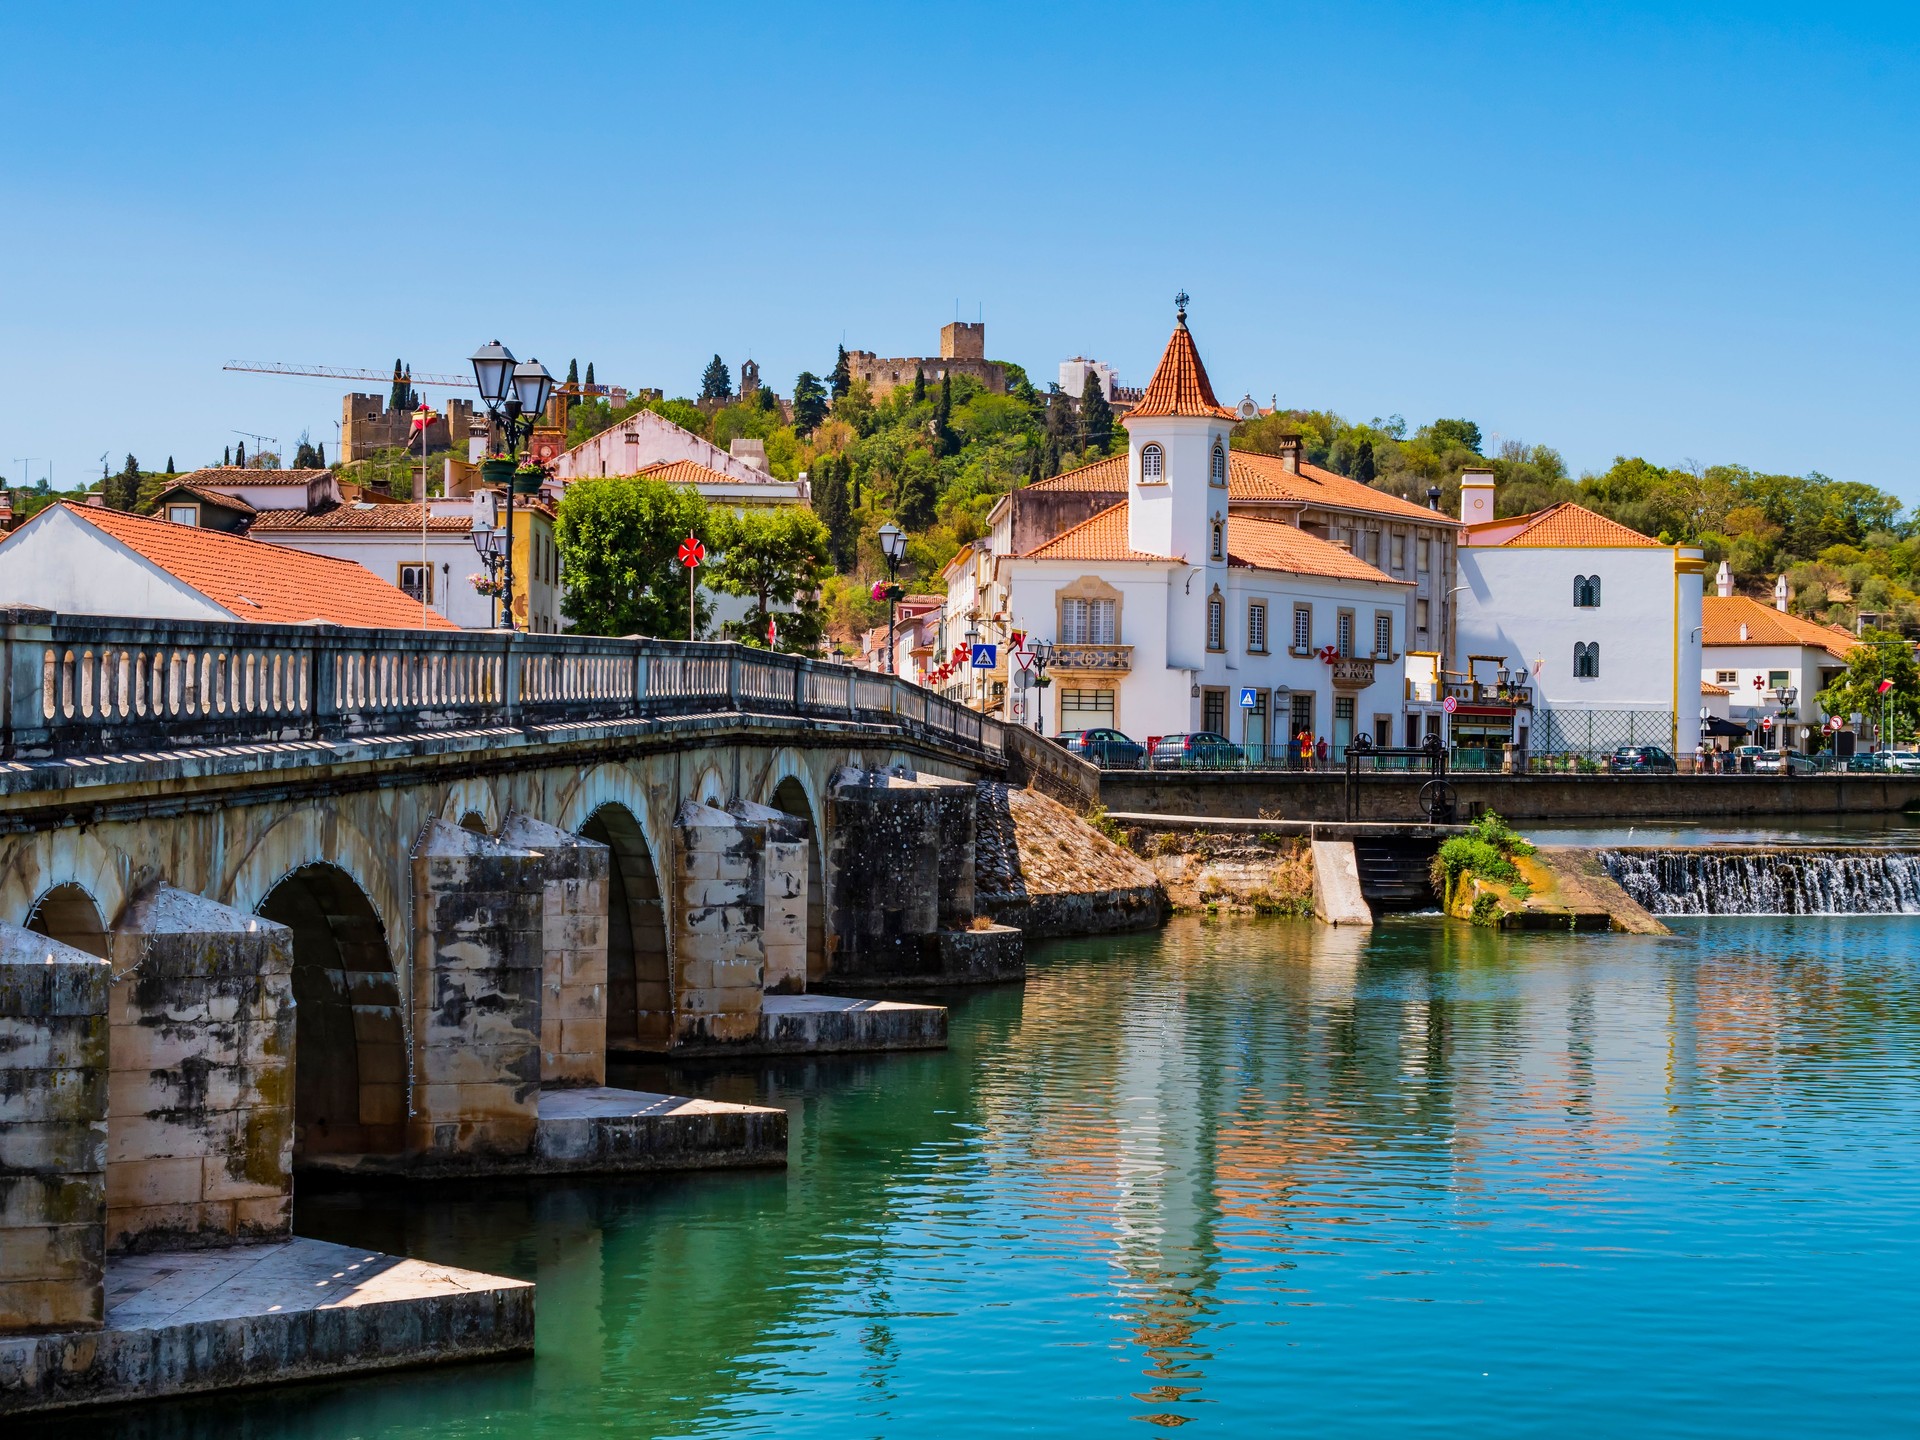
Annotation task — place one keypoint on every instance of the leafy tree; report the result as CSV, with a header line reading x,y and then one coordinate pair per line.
x,y
305,455
779,557
1443,433
717,382
122,491
1883,655
1363,470
917,491
1096,415
619,542
842,378
809,403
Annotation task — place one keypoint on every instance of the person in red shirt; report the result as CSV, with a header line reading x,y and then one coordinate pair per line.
x,y
1320,750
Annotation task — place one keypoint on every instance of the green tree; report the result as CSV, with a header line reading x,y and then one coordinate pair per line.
x,y
619,542
833,503
1882,655
919,384
717,382
842,378
319,456
942,428
589,373
226,456
1096,415
778,557
573,375
1443,433
305,455
240,454
809,403
917,491
1363,470
122,491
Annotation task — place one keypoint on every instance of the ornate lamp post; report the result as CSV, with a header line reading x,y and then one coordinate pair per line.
x,y
1042,652
516,396
893,545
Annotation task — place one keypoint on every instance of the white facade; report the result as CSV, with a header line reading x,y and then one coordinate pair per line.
x,y
1073,376
61,563
645,439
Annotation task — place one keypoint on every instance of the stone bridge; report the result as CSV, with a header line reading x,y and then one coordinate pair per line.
x,y
382,900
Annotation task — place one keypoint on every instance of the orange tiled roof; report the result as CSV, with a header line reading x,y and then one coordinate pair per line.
x,y
1108,475
401,517
1707,687
1102,537
1572,525
212,497
1723,615
691,472
253,580
1180,385
221,476
1275,545
1253,477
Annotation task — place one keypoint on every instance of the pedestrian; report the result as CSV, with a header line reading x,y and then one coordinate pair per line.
x,y
1700,756
1320,750
1306,748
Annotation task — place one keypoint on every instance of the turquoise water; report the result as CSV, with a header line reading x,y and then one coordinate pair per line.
x,y
1256,1179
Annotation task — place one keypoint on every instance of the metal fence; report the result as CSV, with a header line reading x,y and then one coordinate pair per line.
x,y
85,685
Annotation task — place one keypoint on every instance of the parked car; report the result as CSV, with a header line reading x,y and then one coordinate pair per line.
x,y
1641,760
1903,759
1782,762
1108,749
1869,761
1201,750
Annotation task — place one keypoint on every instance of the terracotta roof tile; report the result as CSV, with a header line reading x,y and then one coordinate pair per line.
x,y
1253,477
253,580
1723,615
1707,687
1275,545
1573,525
1180,385
219,477
691,472
1102,537
1108,475
211,496
401,517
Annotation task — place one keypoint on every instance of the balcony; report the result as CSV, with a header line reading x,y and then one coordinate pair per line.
x,y
1098,659
1472,692
1352,672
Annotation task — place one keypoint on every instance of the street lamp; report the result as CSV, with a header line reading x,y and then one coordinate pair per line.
x,y
893,545
516,396
1042,651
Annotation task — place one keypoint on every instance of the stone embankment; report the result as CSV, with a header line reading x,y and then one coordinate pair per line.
x,y
1236,871
1563,888
1041,867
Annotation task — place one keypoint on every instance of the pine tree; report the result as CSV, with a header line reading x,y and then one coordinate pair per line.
x,y
919,384
1363,462
809,403
717,382
170,469
842,378
122,491
397,396
1096,415
320,456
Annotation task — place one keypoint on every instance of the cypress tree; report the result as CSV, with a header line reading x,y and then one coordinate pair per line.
x,y
589,372
943,436
1363,462
320,456
170,469
842,377
573,373
919,384
1033,464
397,395
1096,415
226,456
240,454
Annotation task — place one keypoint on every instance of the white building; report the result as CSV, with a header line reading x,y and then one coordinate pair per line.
x,y
1074,372
1574,633
1169,614
646,443
1753,651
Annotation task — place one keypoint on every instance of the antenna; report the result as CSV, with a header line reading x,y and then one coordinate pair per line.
x,y
103,464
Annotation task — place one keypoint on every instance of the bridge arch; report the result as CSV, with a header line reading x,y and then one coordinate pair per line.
x,y
471,798
312,836
350,1050
68,913
794,794
64,861
639,980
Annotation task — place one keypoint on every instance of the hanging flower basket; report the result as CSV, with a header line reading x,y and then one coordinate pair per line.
x,y
496,472
483,584
528,479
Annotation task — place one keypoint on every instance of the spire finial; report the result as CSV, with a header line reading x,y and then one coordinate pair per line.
x,y
1180,309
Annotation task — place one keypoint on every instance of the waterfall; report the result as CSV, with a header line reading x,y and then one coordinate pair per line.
x,y
1753,880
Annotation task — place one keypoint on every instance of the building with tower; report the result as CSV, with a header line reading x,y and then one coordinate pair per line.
x,y
963,351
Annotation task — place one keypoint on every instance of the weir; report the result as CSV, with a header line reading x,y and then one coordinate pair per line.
x,y
1769,880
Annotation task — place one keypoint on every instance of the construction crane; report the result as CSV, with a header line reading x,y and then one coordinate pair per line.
x,y
349,372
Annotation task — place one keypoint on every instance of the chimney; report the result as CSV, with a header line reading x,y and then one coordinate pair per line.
x,y
96,500
1780,594
1290,454
1743,632
1723,582
1476,496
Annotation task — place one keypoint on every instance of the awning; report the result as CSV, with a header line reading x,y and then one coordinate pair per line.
x,y
1723,729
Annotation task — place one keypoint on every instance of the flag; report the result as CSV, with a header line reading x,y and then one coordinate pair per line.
x,y
1883,687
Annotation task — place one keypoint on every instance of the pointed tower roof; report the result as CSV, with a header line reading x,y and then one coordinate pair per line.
x,y
1180,385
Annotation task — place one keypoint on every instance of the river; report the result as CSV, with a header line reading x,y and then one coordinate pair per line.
x,y
1259,1177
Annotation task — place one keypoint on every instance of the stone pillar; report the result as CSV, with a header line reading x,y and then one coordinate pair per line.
x,y
200,1108
573,966
886,867
53,1134
478,959
956,811
719,956
784,841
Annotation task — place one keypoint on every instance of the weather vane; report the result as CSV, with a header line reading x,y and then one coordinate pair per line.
x,y
1180,307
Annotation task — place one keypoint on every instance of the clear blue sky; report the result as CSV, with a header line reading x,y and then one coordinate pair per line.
x,y
1686,232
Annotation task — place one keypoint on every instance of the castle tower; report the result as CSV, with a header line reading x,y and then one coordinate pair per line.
x,y
963,340
1177,469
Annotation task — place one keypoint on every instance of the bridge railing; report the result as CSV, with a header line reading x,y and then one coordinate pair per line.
x,y
76,686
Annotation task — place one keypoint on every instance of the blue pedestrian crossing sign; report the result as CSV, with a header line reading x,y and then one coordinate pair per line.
x,y
1248,700
983,656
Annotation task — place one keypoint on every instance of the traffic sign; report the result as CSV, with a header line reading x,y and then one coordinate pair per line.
x,y
1450,705
985,656
1023,657
1766,722
692,552
1248,699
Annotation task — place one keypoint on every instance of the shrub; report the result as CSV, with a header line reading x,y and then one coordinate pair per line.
x,y
1486,910
1500,835
1469,855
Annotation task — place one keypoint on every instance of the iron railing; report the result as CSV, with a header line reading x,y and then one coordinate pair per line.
x,y
89,685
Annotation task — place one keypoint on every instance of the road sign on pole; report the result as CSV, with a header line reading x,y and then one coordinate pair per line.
x,y
985,656
1450,704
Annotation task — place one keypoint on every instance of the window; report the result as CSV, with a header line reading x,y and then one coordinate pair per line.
x,y
1299,714
1216,623
1343,709
1343,633
1586,661
1586,591
1087,622
1153,465
1303,627
1213,711
413,577
1383,731
1370,546
1425,552
1218,474
1257,627
1382,633
1778,680
1399,553
1420,616
1097,705
1219,540
1726,677
184,514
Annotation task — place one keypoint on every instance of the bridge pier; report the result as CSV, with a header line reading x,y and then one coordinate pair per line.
x,y
573,967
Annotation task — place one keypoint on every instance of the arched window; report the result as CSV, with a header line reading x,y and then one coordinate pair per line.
x,y
1153,465
1219,540
1586,661
1586,592
1219,473
1216,623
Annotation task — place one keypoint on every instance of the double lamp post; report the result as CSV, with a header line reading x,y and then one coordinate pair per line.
x,y
516,395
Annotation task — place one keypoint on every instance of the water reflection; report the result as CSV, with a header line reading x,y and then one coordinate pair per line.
x,y
1250,1176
